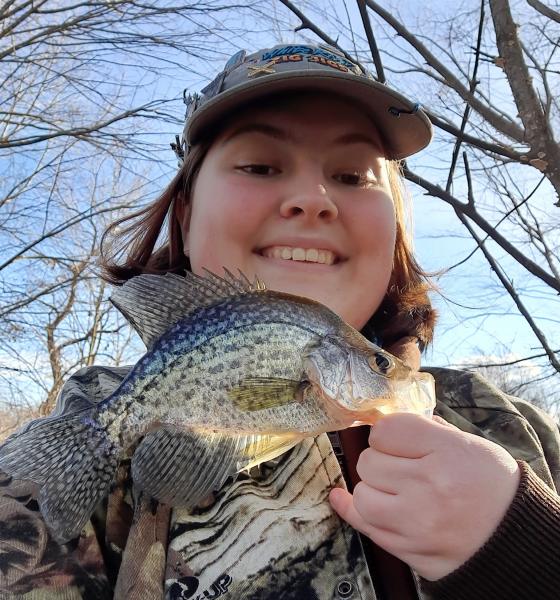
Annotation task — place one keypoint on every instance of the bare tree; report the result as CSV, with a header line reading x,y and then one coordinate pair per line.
x,y
59,59
520,378
85,90
56,318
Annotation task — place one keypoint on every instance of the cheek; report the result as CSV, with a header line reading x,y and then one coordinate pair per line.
x,y
383,236
374,229
231,209
225,216
379,237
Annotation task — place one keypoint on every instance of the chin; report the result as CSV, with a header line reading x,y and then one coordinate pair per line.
x,y
300,287
352,313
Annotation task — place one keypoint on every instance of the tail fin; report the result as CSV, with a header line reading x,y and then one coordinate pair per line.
x,y
72,460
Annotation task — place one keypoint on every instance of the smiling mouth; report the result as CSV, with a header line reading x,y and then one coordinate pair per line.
x,y
310,255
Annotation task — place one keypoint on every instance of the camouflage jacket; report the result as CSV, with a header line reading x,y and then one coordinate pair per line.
x,y
267,534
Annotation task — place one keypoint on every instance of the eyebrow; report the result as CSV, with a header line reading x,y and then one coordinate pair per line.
x,y
282,135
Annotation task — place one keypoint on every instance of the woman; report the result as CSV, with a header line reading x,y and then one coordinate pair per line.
x,y
289,172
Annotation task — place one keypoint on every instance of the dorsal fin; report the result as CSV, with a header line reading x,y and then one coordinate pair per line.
x,y
153,303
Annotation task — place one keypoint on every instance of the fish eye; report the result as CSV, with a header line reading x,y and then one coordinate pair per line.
x,y
382,363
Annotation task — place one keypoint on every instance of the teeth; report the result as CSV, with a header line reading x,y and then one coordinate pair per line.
x,y
298,254
325,257
312,255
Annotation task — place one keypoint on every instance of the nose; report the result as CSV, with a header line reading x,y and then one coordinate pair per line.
x,y
309,200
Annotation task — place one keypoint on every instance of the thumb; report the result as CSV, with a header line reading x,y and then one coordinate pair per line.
x,y
343,503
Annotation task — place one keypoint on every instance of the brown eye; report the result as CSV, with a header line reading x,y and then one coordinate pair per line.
x,y
259,170
350,178
382,363
359,178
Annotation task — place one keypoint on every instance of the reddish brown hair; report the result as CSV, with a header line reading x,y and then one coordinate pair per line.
x,y
406,309
150,241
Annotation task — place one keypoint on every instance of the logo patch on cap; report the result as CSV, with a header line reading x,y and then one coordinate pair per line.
x,y
311,54
322,65
266,69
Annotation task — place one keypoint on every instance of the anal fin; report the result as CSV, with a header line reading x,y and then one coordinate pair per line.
x,y
182,467
267,447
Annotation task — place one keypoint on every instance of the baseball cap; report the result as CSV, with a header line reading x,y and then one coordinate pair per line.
x,y
403,125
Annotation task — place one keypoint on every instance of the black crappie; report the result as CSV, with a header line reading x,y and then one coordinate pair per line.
x,y
234,375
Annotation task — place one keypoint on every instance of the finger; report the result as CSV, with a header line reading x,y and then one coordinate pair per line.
x,y
365,510
378,509
385,472
442,421
408,435
343,504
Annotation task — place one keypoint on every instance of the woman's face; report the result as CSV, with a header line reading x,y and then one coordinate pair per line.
x,y
297,193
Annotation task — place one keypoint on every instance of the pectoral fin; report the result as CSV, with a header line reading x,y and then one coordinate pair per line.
x,y
258,393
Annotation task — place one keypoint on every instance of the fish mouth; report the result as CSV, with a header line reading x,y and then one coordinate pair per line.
x,y
303,254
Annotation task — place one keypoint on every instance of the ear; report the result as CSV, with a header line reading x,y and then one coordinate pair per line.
x,y
183,216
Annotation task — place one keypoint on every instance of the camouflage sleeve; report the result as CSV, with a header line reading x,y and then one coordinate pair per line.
x,y
548,432
473,404
31,561
520,560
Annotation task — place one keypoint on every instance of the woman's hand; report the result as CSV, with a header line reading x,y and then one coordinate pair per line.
x,y
430,494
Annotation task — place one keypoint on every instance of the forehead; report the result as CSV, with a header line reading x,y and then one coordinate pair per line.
x,y
319,115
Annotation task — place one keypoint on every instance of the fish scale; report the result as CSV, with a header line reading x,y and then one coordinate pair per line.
x,y
265,363
232,324
234,375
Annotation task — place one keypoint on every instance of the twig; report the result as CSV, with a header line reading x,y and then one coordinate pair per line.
x,y
511,291
371,41
472,87
544,10
470,212
307,24
514,209
510,362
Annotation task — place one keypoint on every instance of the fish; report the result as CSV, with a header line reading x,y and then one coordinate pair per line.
x,y
234,375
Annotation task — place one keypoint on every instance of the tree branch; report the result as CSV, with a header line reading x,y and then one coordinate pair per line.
x,y
548,12
511,290
472,86
507,127
538,133
308,24
371,41
473,215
